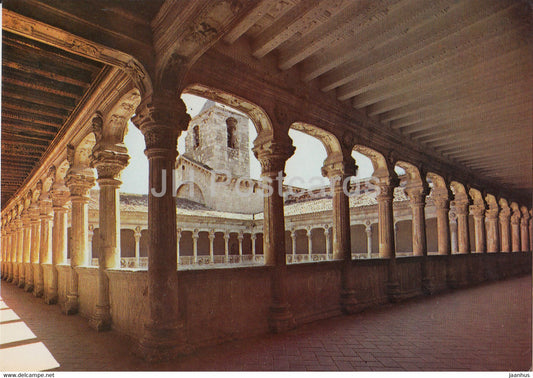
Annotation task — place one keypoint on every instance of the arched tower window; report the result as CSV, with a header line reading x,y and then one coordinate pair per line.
x,y
196,136
231,127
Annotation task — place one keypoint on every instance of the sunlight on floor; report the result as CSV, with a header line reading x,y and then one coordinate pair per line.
x,y
20,350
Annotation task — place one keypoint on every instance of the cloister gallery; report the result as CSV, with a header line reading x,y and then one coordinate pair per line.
x,y
438,91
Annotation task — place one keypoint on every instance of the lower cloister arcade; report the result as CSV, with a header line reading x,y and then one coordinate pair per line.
x,y
432,227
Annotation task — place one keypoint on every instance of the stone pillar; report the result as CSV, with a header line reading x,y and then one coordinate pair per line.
x,y
272,155
327,232
505,228
11,251
3,249
45,251
240,237
478,210
309,242
453,232
226,247
524,230
109,161
19,253
90,236
195,236
442,206
178,238
293,240
254,238
211,246
32,277
386,221
515,230
417,199
79,184
161,117
137,236
463,236
493,235
368,230
339,169
60,197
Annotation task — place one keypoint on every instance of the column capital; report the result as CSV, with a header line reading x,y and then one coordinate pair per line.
x,y
161,117
211,234
272,156
240,236
109,163
253,236
417,194
327,230
477,210
195,234
505,213
79,184
339,167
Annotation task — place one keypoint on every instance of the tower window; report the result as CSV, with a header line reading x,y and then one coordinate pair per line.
x,y
231,127
196,136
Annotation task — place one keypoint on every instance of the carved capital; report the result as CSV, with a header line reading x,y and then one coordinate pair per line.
x,y
60,196
461,206
272,156
161,119
505,214
79,184
478,210
109,163
417,194
340,168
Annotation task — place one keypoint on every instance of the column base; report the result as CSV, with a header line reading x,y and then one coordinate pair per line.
x,y
50,298
349,303
428,288
393,291
38,291
162,344
101,319
70,307
280,318
28,287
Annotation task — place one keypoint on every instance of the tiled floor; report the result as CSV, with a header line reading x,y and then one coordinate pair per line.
x,y
482,328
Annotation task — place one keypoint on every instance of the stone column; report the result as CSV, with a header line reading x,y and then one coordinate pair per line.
x,y
161,117
211,246
79,184
453,232
293,240
226,247
45,251
254,238
109,161
505,228
12,250
195,236
3,246
368,230
9,252
18,257
515,230
32,277
493,236
309,242
524,230
60,197
90,236
26,248
478,210
137,236
339,169
386,221
178,239
240,237
327,232
272,155
463,236
442,206
417,200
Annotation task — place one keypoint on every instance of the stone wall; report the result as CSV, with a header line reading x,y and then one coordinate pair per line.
x,y
218,305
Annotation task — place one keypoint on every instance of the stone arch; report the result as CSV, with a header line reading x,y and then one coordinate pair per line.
x,y
328,140
459,190
112,122
382,167
191,191
415,176
259,117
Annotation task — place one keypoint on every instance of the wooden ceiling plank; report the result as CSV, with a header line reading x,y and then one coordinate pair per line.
x,y
39,86
248,21
44,72
38,97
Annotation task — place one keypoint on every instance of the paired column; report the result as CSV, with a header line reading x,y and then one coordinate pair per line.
x,y
338,169
524,230
463,236
493,235
109,161
45,251
515,229
79,181
478,210
505,226
31,274
272,155
161,117
60,198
